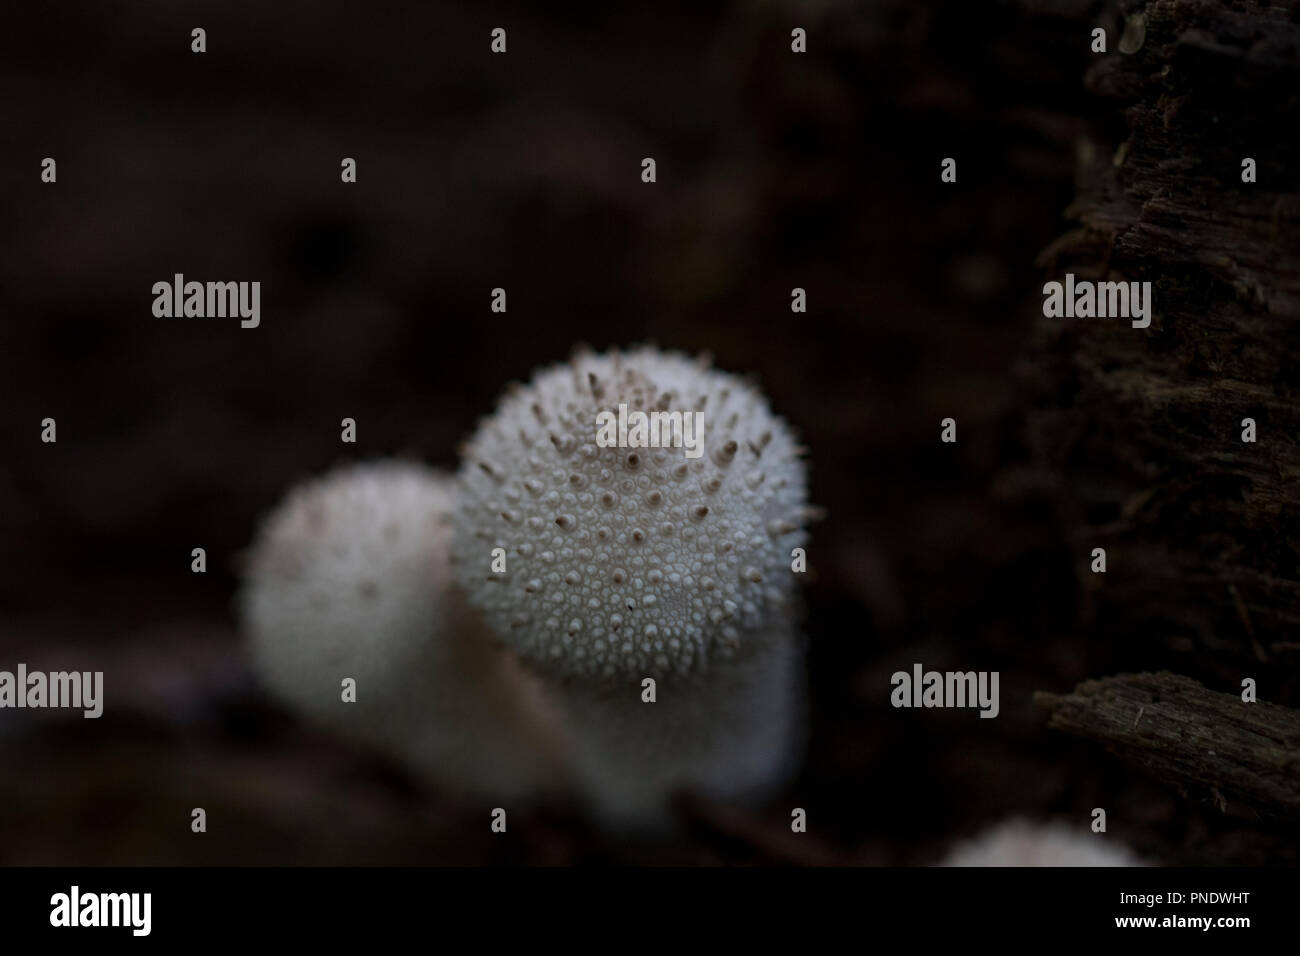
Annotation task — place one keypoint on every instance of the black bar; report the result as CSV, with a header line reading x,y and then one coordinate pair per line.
x,y
325,906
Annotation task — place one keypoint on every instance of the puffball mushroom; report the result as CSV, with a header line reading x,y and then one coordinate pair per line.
x,y
627,563
349,578
1021,843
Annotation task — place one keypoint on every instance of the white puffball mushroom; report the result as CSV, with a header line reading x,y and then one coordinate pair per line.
x,y
349,577
1021,843
626,563
630,562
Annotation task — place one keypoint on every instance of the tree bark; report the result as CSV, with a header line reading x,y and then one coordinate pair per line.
x,y
1202,529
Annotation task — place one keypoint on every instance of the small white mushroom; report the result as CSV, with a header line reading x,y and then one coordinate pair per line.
x,y
349,577
629,563
1021,843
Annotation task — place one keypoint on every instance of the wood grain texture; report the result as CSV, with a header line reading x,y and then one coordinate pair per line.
x,y
1204,741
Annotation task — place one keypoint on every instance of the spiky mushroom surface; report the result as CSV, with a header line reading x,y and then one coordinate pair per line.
x,y
349,577
630,561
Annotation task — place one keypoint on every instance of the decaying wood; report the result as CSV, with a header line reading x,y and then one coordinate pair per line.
x,y
1201,528
1204,741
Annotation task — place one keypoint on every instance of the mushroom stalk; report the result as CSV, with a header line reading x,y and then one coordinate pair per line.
x,y
733,733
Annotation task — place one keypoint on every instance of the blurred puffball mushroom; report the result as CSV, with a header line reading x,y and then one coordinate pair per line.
x,y
643,561
349,577
1021,843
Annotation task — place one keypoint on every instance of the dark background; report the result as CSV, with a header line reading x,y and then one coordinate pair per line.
x,y
522,171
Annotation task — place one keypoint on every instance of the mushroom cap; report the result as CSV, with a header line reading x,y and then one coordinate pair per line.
x,y
1021,843
349,577
343,579
630,561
